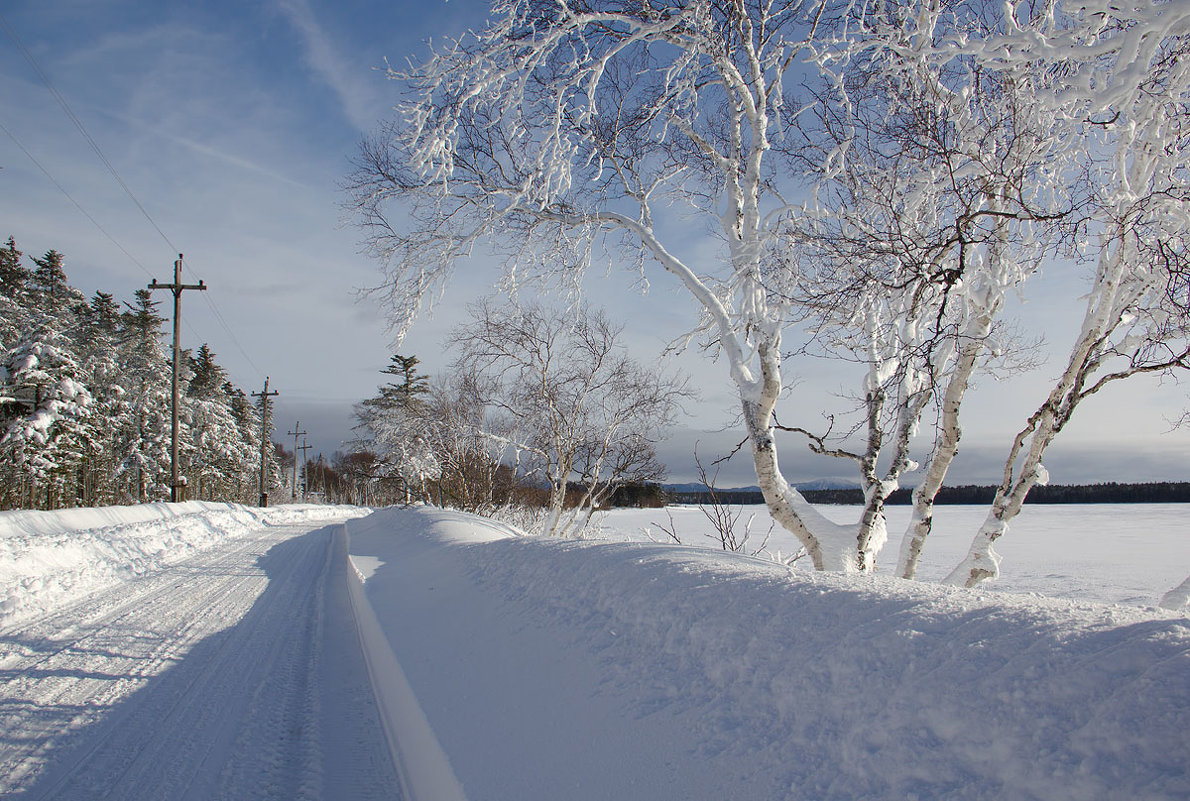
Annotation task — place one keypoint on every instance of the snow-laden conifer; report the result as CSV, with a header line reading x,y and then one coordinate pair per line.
x,y
49,411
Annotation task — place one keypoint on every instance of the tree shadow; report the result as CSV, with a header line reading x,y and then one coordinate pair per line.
x,y
240,714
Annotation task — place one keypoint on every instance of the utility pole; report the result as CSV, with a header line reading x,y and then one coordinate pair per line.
x,y
175,485
297,432
305,466
264,434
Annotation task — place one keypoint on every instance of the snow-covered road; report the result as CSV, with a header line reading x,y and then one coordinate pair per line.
x,y
229,675
207,651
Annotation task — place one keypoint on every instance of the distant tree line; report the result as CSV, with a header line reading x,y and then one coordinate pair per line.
x,y
85,401
971,494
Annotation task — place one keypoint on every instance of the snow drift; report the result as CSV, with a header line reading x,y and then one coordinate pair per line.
x,y
586,670
51,558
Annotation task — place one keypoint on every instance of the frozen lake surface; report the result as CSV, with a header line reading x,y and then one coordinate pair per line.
x,y
1110,553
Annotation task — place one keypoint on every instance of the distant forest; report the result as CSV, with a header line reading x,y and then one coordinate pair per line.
x,y
1155,492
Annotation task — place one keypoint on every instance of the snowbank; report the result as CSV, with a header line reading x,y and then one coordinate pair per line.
x,y
51,558
587,670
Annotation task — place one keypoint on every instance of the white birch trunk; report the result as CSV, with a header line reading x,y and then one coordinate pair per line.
x,y
1104,309
557,503
982,562
921,521
829,545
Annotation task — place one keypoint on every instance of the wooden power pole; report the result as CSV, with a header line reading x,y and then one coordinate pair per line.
x,y
297,432
175,485
305,466
264,434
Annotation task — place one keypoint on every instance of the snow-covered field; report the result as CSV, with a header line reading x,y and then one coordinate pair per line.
x,y
1111,553
240,656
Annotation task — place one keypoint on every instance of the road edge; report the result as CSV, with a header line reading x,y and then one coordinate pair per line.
x,y
422,766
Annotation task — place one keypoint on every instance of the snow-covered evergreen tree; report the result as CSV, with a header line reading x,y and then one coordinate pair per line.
x,y
97,332
85,399
247,421
144,440
394,426
218,453
49,411
50,285
14,289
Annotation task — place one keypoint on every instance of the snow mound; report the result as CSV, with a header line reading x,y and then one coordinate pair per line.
x,y
48,559
697,674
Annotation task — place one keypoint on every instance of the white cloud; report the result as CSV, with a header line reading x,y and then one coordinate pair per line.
x,y
360,103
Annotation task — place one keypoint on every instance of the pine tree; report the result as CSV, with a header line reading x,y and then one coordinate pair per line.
x,y
50,285
105,313
394,425
49,410
220,453
14,277
247,422
85,400
144,443
14,290
208,375
96,342
413,386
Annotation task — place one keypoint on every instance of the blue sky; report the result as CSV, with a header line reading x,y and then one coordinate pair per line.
x,y
233,123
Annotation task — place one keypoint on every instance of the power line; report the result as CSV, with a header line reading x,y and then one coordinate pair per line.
x,y
45,79
223,323
118,178
214,309
104,231
69,197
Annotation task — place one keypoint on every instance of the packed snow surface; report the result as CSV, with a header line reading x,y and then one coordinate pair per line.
x,y
233,673
206,651
594,670
49,558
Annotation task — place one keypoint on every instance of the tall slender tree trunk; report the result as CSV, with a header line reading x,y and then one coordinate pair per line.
x,y
921,521
829,545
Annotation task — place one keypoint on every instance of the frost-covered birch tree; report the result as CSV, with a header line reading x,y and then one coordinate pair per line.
x,y
1125,102
473,475
566,127
941,186
561,390
944,149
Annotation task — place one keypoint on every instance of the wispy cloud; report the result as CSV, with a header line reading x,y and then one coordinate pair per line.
x,y
231,159
359,102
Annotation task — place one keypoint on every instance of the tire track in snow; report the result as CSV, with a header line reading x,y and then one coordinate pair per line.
x,y
89,620
204,681
66,671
